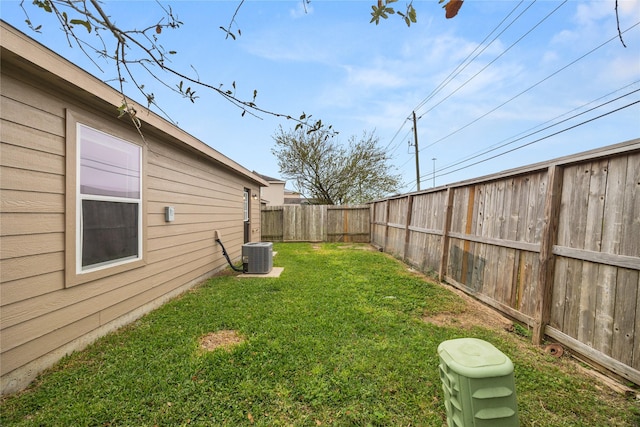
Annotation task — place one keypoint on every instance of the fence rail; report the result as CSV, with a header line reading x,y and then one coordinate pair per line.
x,y
316,223
555,245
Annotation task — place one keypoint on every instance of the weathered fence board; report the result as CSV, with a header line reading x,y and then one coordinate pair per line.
x,y
349,224
272,223
555,245
316,223
379,223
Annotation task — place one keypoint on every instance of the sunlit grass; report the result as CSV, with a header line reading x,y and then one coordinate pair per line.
x,y
338,339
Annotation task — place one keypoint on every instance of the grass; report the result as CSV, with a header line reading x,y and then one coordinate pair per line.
x,y
339,339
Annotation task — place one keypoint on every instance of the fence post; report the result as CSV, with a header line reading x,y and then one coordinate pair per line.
x,y
386,226
283,213
407,232
446,227
548,238
345,226
372,222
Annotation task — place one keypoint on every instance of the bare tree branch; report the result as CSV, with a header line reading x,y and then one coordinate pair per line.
x,y
90,15
233,20
618,22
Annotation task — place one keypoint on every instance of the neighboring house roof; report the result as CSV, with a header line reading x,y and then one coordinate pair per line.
x,y
295,201
16,48
269,179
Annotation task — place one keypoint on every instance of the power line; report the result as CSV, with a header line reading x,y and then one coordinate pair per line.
x,y
530,87
448,79
543,138
502,144
404,138
460,68
487,66
396,135
442,85
519,94
495,147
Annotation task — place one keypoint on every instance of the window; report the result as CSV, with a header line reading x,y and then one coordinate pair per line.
x,y
245,199
105,202
109,200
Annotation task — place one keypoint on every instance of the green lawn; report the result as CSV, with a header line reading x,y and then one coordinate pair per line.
x,y
338,339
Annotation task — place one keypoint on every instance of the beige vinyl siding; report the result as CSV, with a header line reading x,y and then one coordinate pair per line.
x,y
31,202
41,317
32,184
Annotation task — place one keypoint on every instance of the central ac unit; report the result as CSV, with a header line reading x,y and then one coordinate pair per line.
x,y
257,257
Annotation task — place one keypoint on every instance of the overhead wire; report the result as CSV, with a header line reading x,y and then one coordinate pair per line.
x,y
487,66
502,143
495,147
396,135
400,141
530,87
456,71
430,96
543,138
489,150
460,67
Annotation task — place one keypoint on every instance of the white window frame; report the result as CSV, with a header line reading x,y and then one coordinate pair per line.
x,y
80,197
73,272
246,196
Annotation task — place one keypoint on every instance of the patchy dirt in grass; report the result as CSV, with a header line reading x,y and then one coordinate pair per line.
x,y
474,313
358,246
220,339
348,245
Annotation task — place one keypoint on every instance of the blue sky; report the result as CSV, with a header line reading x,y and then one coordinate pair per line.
x,y
555,61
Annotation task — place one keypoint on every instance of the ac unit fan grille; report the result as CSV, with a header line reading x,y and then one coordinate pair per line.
x,y
257,257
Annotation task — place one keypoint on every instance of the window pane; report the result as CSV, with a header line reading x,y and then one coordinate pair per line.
x,y
246,205
109,231
108,166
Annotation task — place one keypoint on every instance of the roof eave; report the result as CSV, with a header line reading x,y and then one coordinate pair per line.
x,y
66,73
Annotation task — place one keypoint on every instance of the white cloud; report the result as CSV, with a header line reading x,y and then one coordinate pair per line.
x,y
629,8
550,57
373,78
595,20
621,70
565,37
588,14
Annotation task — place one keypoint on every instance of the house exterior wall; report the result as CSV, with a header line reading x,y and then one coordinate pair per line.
x,y
43,313
274,193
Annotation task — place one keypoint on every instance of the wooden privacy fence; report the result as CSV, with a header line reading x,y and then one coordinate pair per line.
x,y
555,245
316,223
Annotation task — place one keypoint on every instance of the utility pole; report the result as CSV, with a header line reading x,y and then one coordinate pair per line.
x,y
415,142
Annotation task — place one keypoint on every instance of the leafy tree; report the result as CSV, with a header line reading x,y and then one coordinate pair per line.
x,y
327,172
